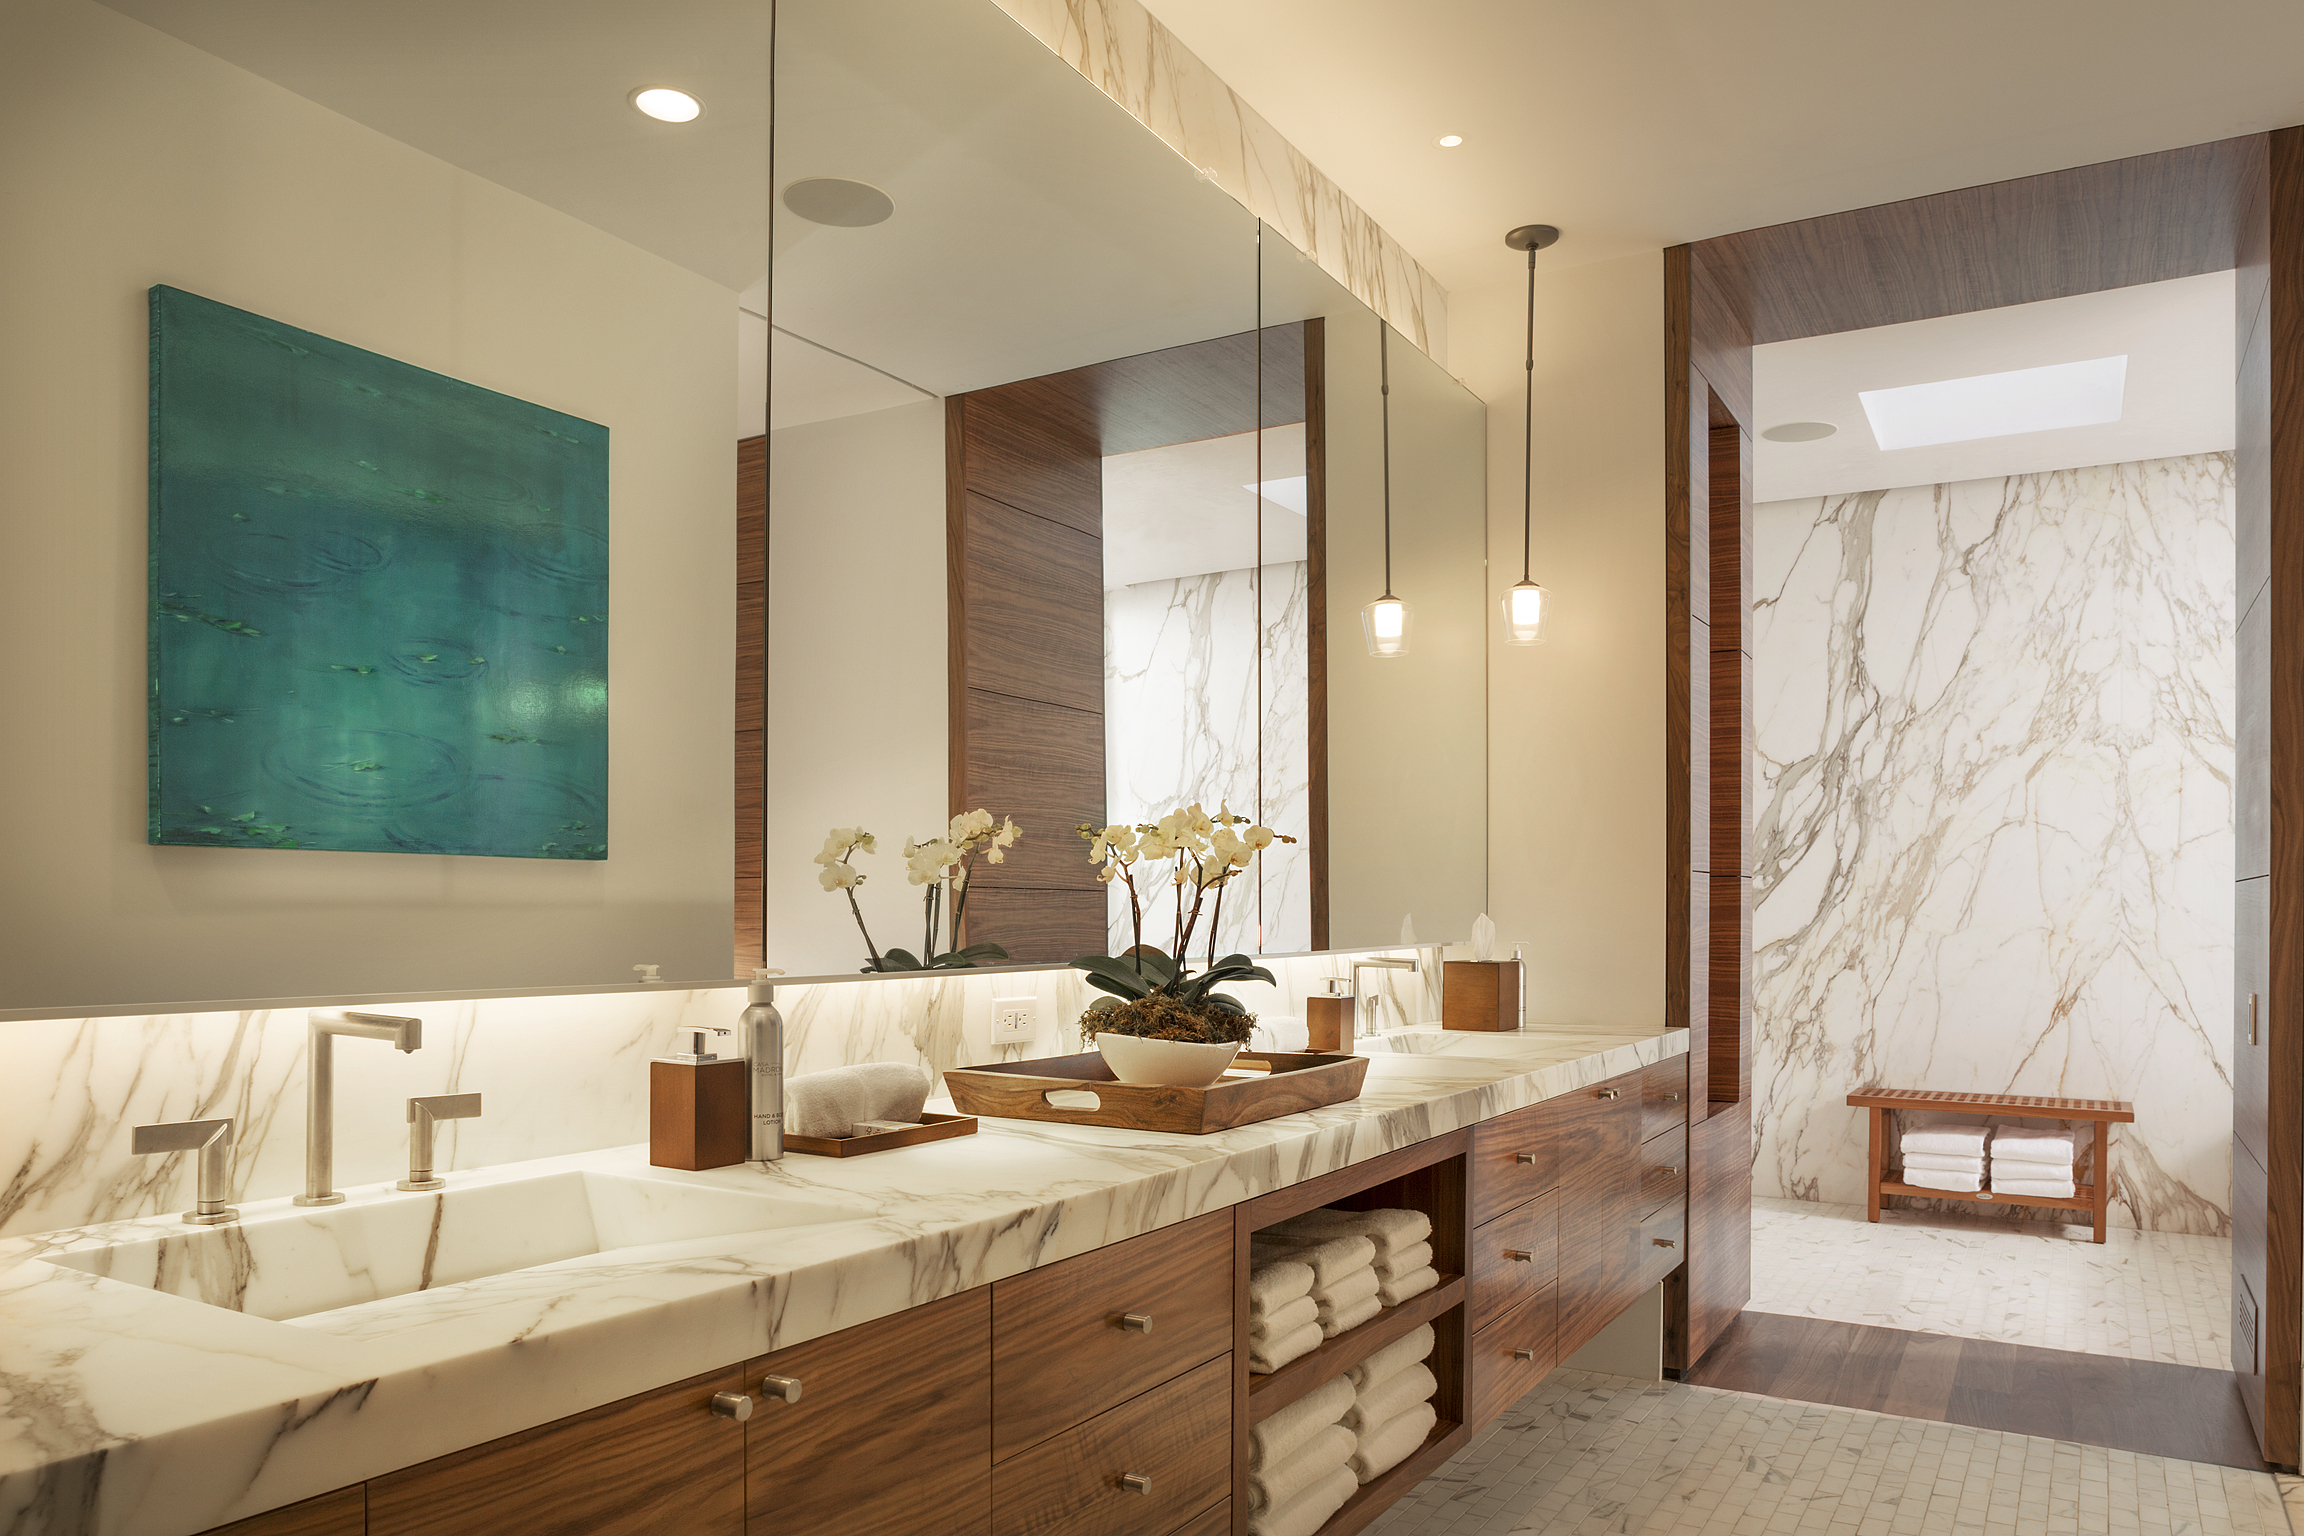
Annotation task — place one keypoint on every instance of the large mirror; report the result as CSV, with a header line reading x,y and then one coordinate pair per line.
x,y
1075,490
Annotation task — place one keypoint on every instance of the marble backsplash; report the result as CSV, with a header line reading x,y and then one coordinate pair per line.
x,y
1993,847
557,1074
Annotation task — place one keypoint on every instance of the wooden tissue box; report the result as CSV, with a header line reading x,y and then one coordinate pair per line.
x,y
1480,994
1327,1023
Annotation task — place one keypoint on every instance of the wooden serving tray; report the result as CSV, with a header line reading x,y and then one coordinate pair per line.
x,y
932,1127
1018,1090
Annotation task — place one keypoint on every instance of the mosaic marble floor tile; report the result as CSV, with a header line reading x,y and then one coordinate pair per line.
x,y
1586,1454
2140,1295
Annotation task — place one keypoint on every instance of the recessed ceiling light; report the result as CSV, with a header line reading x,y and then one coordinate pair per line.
x,y
839,202
1449,140
667,105
1998,404
1800,432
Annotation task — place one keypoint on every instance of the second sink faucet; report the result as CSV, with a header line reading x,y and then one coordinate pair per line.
x,y
320,1090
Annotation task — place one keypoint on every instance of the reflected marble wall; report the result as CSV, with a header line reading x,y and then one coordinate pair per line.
x,y
558,1074
1993,842
1181,713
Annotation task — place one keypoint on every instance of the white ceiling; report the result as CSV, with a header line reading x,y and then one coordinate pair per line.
x,y
1186,509
2177,337
1642,123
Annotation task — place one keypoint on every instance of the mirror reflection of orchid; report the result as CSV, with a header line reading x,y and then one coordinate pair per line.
x,y
938,864
1196,856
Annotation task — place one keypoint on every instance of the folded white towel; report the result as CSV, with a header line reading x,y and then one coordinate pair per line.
x,y
1267,1355
2038,1189
1309,1510
1346,1292
1951,1140
829,1103
1282,1321
1345,1319
1275,1285
1284,1430
1330,1258
1930,1178
1386,1400
1388,1229
2020,1146
1383,1449
1309,1463
1942,1163
1415,1283
1398,1355
1404,1261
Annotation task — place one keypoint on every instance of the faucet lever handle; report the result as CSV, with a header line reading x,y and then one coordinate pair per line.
x,y
212,1139
423,1113
445,1106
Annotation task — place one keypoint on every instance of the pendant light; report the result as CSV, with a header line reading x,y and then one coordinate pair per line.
x,y
1386,621
1527,604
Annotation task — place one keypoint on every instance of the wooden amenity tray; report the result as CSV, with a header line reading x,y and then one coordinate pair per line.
x,y
1018,1090
2086,1197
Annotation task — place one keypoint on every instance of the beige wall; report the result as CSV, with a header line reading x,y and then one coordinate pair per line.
x,y
128,159
1576,793
858,694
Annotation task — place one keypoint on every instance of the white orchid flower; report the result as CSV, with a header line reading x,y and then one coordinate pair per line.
x,y
837,876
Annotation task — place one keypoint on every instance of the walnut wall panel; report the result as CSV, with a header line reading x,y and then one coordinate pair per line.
x,y
1035,599
751,698
1705,1297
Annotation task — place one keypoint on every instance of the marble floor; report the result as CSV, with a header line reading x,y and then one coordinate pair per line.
x,y
1586,1454
2141,1295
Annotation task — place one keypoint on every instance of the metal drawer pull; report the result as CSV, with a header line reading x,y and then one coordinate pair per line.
x,y
1609,1093
1135,1322
731,1405
2251,1018
1524,1157
1673,1097
1135,1482
1523,1354
1519,1256
1671,1173
783,1388
1663,1242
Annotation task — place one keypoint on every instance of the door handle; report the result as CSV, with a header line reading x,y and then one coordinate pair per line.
x,y
782,1388
2251,1018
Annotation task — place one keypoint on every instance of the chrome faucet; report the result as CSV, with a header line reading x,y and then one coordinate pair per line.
x,y
1374,965
320,1091
212,1139
423,1115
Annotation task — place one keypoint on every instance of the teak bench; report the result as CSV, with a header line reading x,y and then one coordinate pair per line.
x,y
2087,1197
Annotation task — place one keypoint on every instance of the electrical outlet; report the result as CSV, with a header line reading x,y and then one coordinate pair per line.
x,y
1015,1019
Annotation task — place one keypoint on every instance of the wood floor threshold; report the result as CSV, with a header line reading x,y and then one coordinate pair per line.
x,y
2152,1407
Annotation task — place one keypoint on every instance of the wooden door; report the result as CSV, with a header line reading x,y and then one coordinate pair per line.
x,y
1599,1160
892,1432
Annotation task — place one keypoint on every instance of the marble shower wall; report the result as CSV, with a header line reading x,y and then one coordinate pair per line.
x,y
1993,847
1123,50
1183,723
557,1074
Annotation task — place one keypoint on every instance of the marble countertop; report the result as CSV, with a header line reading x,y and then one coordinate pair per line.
x,y
128,1411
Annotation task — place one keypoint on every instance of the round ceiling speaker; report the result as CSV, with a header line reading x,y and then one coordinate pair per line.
x,y
841,203
1800,432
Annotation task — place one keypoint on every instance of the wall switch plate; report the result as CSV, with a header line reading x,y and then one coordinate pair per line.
x,y
1015,1019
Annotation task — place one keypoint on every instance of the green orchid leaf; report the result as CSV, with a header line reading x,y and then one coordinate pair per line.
x,y
900,960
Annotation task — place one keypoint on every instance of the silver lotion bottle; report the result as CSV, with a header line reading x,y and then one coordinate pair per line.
x,y
762,1032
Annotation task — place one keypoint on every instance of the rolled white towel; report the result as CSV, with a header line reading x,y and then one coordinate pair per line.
x,y
1383,1401
1278,1034
1275,1285
1383,1449
1930,1178
1280,1483
1398,1355
1282,1321
1393,1292
1330,1258
1346,1292
1389,1230
1943,1164
831,1102
1345,1319
1267,1355
1951,1140
1404,1261
2020,1146
1308,1511
2038,1189
1284,1430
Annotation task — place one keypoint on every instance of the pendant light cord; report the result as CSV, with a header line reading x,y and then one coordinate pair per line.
x,y
1384,376
1528,438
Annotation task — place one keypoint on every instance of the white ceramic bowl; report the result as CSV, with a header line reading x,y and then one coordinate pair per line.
x,y
1165,1063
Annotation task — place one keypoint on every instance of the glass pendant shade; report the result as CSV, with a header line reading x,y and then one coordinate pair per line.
x,y
1386,622
1526,607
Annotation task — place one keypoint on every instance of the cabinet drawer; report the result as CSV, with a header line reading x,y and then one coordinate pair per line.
x,y
1663,1243
1663,1169
1515,1158
1178,1438
1500,1374
1513,1257
1664,1096
1063,1350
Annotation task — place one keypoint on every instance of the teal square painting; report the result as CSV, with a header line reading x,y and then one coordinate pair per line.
x,y
379,602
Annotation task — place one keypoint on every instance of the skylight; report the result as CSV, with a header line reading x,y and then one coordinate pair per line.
x,y
1998,404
